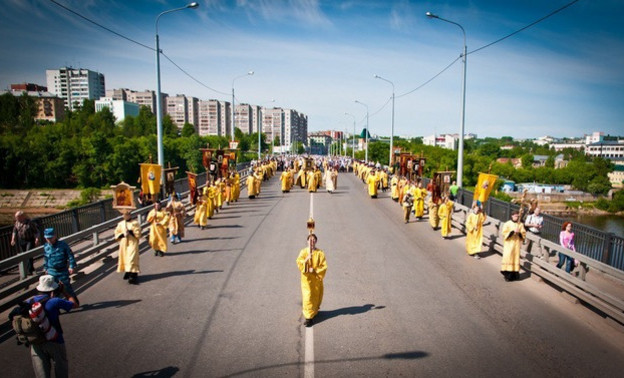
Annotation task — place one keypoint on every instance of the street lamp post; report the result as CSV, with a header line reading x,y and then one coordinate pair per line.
x,y
353,139
159,126
392,127
460,152
366,154
238,77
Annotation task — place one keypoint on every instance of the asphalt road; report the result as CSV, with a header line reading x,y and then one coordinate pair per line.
x,y
399,301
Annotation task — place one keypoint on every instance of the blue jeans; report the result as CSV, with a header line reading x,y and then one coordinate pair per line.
x,y
567,260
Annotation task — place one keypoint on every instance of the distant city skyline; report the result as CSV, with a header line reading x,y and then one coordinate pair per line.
x,y
561,77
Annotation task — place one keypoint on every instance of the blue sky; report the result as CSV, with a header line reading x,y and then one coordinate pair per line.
x,y
562,77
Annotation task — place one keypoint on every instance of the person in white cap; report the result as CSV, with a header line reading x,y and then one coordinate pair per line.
x,y
52,351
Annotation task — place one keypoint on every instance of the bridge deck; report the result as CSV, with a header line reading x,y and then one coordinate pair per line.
x,y
399,300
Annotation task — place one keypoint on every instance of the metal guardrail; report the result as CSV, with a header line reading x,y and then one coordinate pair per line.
x,y
536,255
604,247
96,246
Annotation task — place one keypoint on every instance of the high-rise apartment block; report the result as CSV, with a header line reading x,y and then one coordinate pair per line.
x,y
74,85
177,108
243,118
193,112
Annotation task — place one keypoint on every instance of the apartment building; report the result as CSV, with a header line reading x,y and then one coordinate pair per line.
x,y
177,108
193,111
74,85
120,108
209,117
243,118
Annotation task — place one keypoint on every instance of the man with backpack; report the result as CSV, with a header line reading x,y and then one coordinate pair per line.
x,y
37,324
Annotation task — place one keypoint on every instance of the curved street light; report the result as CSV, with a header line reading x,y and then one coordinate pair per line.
x,y
366,154
392,128
460,152
159,126
250,73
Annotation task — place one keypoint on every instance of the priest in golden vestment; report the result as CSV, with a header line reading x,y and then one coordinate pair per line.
x,y
445,212
513,236
128,233
474,231
159,220
312,265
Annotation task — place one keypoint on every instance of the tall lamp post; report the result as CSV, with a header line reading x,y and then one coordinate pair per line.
x,y
392,127
460,152
159,126
353,139
237,77
366,154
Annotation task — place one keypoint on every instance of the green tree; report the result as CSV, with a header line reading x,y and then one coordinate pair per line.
x,y
527,161
187,130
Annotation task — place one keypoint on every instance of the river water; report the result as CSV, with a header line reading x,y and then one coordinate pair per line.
x,y
607,223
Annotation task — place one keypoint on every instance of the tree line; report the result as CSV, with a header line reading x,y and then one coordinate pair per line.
x,y
89,149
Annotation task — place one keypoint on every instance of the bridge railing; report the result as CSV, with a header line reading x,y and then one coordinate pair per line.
x,y
605,247
537,255
94,242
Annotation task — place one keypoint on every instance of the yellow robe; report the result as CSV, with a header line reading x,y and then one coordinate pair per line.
x,y
285,179
419,201
372,185
511,246
311,179
210,202
434,218
158,229
312,283
201,212
474,232
394,188
251,186
128,246
445,212
176,221
236,187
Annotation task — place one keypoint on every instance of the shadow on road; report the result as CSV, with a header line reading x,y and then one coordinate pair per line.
x,y
167,372
412,355
354,310
102,305
153,277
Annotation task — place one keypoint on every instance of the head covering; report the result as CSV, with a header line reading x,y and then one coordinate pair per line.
x,y
47,284
49,232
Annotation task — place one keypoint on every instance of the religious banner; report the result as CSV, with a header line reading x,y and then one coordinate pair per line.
x,y
444,179
170,179
421,166
123,198
192,184
206,157
150,179
485,183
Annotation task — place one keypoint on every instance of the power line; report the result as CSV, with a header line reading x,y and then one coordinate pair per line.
x,y
102,26
490,44
526,27
138,43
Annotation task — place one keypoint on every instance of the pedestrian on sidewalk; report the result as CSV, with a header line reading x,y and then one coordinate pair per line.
x,y
513,236
566,239
59,261
26,235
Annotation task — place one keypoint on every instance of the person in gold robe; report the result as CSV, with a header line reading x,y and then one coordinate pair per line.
x,y
372,184
474,231
312,265
201,211
434,218
251,186
445,212
128,233
158,220
176,220
513,236
419,200
285,180
236,186
311,180
394,189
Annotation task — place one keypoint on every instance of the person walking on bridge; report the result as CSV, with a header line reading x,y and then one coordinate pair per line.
x,y
312,265
26,236
128,233
176,219
158,229
513,236
59,261
474,231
